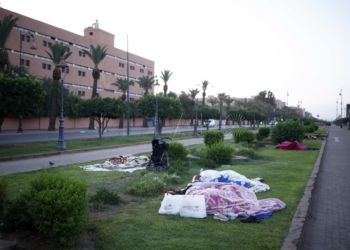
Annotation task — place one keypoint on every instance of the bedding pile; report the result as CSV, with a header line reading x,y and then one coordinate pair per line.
x,y
122,163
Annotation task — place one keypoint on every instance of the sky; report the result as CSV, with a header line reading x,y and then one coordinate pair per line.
x,y
295,47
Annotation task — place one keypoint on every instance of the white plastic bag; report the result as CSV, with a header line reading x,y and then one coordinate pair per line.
x,y
171,204
193,206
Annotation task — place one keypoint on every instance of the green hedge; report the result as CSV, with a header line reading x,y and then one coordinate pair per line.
x,y
288,131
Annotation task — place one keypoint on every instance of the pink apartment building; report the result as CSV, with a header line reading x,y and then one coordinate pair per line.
x,y
78,78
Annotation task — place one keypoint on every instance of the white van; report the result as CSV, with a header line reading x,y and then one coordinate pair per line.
x,y
210,123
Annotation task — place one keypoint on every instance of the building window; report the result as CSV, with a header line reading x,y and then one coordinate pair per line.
x,y
22,37
65,70
27,63
97,94
28,39
132,67
79,73
121,65
81,93
83,54
132,83
44,43
83,73
80,53
131,99
68,50
150,73
91,33
49,67
43,66
22,62
50,44
142,71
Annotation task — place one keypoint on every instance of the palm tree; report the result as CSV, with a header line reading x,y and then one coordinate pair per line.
x,y
192,94
221,97
122,85
6,26
204,87
165,77
58,53
213,101
146,83
228,100
96,55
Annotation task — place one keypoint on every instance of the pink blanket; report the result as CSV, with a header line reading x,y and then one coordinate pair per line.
x,y
287,145
232,198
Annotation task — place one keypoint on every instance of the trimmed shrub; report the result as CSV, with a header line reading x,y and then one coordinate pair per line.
x,y
55,205
309,129
213,136
264,132
220,153
178,168
259,137
105,196
242,135
3,188
148,185
177,151
287,131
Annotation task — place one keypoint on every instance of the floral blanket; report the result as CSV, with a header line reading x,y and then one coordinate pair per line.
x,y
233,198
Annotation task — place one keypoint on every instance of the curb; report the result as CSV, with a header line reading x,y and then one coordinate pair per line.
x,y
295,230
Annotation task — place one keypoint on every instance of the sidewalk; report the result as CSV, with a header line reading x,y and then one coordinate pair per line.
x,y
327,225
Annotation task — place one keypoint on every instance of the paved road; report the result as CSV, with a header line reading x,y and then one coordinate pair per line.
x,y
327,225
44,135
67,158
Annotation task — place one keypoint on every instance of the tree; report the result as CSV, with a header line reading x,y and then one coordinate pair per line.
x,y
192,94
186,104
6,26
204,87
172,94
21,95
70,100
168,107
165,77
207,113
228,100
267,97
221,97
122,85
58,52
213,101
102,110
146,83
96,55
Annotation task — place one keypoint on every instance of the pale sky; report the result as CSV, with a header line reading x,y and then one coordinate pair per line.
x,y
241,47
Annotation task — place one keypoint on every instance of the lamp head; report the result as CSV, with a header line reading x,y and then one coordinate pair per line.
x,y
62,64
33,45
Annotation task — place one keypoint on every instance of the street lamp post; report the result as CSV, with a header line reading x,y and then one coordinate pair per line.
x,y
127,90
156,120
220,113
20,128
61,145
195,132
341,108
254,121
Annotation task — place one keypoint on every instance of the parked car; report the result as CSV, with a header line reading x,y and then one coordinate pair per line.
x,y
210,123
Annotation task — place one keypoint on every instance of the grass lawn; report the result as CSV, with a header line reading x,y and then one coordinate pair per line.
x,y
29,148
136,224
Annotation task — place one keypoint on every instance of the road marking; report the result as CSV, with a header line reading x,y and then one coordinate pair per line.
x,y
336,139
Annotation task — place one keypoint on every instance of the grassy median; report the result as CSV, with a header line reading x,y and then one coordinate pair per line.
x,y
136,224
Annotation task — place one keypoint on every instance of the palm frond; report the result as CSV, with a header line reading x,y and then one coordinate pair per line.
x,y
58,52
6,26
96,54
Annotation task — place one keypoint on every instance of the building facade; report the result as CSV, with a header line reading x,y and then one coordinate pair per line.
x,y
78,78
